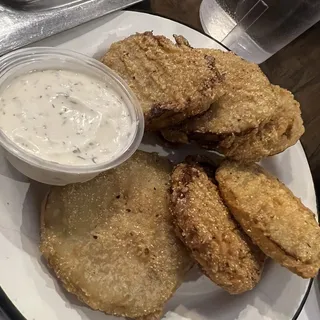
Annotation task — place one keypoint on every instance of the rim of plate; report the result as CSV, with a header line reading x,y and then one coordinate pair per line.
x,y
11,312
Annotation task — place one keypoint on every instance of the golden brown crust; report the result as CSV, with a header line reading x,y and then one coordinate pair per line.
x,y
282,131
171,82
271,137
111,241
203,223
272,216
251,121
249,98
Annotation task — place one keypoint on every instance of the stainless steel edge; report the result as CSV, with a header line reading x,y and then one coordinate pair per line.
x,y
20,27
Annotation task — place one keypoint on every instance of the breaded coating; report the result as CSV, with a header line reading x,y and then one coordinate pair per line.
x,y
282,131
226,255
111,241
272,216
171,82
248,100
253,120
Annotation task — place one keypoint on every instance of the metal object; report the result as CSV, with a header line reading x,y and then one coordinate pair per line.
x,y
25,21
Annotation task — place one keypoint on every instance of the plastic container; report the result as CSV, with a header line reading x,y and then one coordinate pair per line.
x,y
42,58
256,29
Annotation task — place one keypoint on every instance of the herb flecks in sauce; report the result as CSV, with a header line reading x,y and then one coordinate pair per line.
x,y
67,117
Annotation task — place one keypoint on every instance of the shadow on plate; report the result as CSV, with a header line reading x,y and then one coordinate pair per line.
x,y
7,170
153,142
204,300
30,226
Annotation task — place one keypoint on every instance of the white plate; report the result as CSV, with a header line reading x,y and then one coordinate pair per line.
x,y
36,293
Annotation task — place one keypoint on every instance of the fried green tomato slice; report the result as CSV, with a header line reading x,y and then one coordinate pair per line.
x,y
248,99
251,121
226,255
272,216
111,241
282,131
171,82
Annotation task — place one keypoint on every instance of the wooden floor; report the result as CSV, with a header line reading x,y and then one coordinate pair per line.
x,y
296,67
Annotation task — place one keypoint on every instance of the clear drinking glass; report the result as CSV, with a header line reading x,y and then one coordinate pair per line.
x,y
256,29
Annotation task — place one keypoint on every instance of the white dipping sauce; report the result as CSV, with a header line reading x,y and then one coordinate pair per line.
x,y
66,117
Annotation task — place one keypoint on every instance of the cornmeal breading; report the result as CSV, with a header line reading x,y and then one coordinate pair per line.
x,y
251,121
111,241
272,216
171,82
226,255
